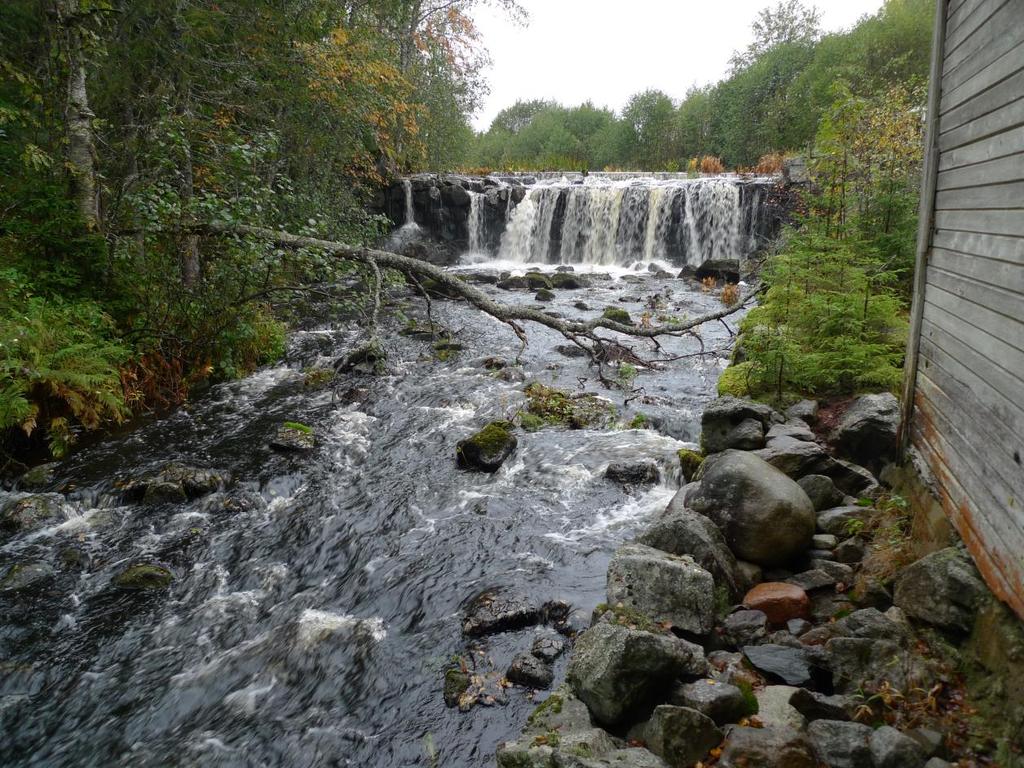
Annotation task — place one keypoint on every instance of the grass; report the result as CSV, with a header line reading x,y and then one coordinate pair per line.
x,y
299,427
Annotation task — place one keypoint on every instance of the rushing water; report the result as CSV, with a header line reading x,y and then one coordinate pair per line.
x,y
316,602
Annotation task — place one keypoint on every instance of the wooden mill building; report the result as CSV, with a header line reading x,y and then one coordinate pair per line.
x,y
964,390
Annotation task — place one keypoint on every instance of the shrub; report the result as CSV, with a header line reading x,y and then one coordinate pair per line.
x,y
730,294
770,163
711,164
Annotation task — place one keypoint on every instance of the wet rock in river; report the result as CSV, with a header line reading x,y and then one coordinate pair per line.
x,y
633,473
544,295
571,350
664,587
29,513
616,671
513,283
487,449
766,517
293,437
569,281
548,646
491,612
617,315
779,601
679,735
144,577
38,477
456,683
530,671
772,747
25,577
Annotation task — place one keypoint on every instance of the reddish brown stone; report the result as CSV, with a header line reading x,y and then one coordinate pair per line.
x,y
779,601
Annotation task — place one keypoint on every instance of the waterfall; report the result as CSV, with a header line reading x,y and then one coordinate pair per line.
x,y
410,211
602,222
476,223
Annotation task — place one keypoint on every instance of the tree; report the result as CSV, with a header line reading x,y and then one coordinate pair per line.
x,y
649,117
789,21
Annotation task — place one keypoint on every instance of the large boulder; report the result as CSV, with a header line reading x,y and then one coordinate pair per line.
x,y
942,589
681,531
841,743
730,422
29,513
766,517
679,735
26,577
662,586
722,702
866,433
177,482
494,611
487,450
772,747
617,671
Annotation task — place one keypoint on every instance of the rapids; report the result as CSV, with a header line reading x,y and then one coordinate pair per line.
x,y
316,602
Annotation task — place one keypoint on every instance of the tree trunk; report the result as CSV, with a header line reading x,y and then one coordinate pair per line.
x,y
81,151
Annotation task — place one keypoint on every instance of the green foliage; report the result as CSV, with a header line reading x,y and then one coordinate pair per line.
x,y
832,320
299,427
59,365
689,462
778,90
559,408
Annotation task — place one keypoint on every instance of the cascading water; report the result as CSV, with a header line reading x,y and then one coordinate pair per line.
x,y
476,222
604,222
410,211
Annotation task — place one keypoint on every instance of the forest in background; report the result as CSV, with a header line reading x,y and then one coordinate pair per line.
x,y
128,126
772,101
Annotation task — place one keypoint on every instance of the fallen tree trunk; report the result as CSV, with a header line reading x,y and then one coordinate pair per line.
x,y
574,330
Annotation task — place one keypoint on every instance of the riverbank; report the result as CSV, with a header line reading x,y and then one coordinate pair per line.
x,y
778,613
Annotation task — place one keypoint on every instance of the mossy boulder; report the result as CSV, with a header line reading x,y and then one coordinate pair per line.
x,y
617,315
38,477
736,380
487,450
143,577
456,683
544,295
513,283
569,281
23,577
689,462
559,408
29,513
174,483
535,281
293,437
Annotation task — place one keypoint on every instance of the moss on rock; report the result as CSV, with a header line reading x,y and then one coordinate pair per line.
x,y
617,315
734,380
144,576
544,295
488,448
689,462
559,408
536,280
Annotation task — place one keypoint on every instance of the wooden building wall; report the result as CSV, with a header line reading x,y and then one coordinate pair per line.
x,y
965,371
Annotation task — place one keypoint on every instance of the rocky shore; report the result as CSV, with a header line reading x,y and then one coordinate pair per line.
x,y
742,627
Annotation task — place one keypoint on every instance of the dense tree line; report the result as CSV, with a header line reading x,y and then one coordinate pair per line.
x,y
125,124
772,101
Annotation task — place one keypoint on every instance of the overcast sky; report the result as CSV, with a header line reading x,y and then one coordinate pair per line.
x,y
607,50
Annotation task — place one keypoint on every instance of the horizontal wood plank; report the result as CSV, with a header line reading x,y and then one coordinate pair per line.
x,y
946,349
994,65
985,101
992,348
995,246
990,222
1003,169
988,273
983,197
1001,145
959,30
1004,118
997,34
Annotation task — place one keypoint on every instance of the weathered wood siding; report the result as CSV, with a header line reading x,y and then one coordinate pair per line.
x,y
966,358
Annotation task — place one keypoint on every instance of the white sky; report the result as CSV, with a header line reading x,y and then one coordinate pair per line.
x,y
607,50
